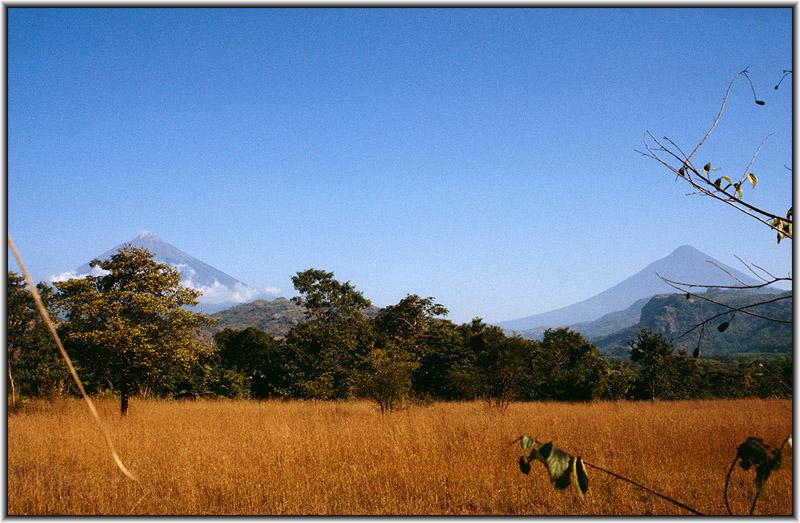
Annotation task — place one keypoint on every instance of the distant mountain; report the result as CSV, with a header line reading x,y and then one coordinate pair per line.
x,y
220,291
276,317
672,315
684,264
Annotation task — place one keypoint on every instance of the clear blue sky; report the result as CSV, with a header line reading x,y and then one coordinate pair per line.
x,y
483,157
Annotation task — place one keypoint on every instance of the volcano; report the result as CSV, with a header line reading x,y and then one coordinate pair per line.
x,y
219,290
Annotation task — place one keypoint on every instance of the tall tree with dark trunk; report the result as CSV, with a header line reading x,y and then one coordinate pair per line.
x,y
130,320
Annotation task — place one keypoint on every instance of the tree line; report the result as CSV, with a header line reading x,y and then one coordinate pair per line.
x,y
129,332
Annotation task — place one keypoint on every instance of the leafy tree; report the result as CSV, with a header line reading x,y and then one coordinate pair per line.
x,y
410,318
330,349
663,375
326,300
398,347
503,364
387,378
447,365
255,354
568,367
130,321
32,356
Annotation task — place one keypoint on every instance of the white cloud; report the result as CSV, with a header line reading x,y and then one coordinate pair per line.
x,y
185,270
219,293
69,275
214,294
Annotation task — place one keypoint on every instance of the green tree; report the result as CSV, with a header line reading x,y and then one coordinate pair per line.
x,y
329,350
447,364
399,344
34,366
410,318
568,367
255,354
503,364
663,375
387,377
130,321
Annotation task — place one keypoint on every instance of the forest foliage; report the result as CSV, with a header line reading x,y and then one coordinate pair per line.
x,y
127,334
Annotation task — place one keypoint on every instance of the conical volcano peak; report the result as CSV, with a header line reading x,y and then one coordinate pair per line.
x,y
148,235
219,290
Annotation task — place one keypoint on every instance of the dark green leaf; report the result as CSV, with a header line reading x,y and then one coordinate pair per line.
x,y
557,463
524,465
722,326
707,167
755,453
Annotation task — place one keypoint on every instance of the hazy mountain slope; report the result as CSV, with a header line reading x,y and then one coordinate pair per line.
x,y
220,290
684,264
674,314
194,270
276,317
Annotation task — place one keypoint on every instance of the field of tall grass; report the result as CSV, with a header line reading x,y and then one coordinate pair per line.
x,y
304,457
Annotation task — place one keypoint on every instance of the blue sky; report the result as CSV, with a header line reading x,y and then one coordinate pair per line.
x,y
483,157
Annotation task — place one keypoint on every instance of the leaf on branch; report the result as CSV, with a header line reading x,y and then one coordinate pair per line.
x,y
753,179
579,477
707,167
755,453
723,326
527,442
784,227
563,468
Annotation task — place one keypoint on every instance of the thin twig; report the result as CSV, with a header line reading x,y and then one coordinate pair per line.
x,y
662,496
727,480
718,266
716,120
744,176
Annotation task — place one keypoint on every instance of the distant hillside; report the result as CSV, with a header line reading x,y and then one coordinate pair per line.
x,y
276,317
674,314
684,264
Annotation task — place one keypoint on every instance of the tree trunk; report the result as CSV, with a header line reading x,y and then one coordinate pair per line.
x,y
123,396
123,393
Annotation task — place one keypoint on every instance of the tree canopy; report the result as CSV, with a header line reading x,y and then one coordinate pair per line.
x,y
131,320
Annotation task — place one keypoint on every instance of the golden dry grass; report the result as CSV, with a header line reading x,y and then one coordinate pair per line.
x,y
298,457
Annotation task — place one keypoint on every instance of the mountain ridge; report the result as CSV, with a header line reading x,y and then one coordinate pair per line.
x,y
684,264
219,290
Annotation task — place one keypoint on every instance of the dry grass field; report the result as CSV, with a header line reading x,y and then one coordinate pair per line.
x,y
298,457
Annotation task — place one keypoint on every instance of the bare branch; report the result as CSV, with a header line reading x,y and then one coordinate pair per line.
x,y
730,308
718,115
754,157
